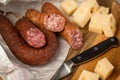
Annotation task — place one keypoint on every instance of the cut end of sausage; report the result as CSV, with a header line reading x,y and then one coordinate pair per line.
x,y
54,22
76,39
36,38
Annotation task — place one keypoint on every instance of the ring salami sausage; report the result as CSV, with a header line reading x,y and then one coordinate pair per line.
x,y
25,53
32,35
71,33
52,22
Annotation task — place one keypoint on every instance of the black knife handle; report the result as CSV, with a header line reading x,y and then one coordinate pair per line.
x,y
95,50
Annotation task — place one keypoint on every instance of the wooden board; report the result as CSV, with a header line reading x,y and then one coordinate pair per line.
x,y
91,39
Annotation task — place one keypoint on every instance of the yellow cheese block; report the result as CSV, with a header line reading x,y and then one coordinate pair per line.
x,y
109,25
102,10
69,6
95,24
104,68
81,17
87,75
83,13
93,5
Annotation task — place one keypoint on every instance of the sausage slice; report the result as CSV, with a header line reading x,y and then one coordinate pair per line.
x,y
30,33
52,22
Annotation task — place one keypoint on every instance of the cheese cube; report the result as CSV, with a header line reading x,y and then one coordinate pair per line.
x,y
93,5
81,17
87,75
109,25
103,10
83,13
95,24
104,68
69,6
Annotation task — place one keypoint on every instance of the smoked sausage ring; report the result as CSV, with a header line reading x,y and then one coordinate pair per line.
x,y
24,52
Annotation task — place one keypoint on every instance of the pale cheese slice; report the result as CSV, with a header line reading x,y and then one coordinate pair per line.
x,y
69,6
104,68
83,13
87,75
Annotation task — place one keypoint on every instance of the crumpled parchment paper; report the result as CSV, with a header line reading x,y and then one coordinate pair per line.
x,y
44,72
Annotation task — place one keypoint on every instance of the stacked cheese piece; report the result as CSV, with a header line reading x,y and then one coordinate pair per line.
x,y
81,14
96,21
100,19
102,22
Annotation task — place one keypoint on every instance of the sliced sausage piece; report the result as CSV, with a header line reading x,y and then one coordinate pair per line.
x,y
25,53
71,33
32,35
52,22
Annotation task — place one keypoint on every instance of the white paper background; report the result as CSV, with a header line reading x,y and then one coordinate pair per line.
x,y
44,72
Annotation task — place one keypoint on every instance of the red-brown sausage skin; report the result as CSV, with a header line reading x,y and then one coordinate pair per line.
x,y
32,35
52,22
25,53
71,33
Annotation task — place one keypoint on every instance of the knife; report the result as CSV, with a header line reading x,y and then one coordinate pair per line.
x,y
85,56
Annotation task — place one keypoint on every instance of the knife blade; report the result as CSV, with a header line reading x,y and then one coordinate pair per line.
x,y
85,56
